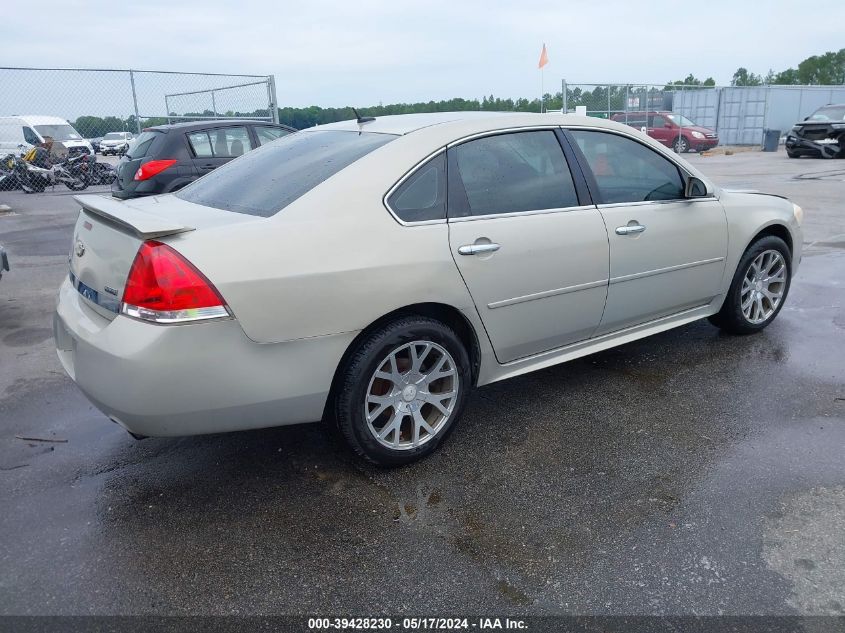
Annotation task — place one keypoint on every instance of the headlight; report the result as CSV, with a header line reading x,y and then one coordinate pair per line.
x,y
697,134
798,212
838,126
796,128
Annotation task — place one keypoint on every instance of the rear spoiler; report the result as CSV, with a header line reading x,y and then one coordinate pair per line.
x,y
142,223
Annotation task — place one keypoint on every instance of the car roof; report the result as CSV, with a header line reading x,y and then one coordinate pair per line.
x,y
38,119
458,123
205,125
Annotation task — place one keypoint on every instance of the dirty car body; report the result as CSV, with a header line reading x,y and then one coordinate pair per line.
x,y
287,288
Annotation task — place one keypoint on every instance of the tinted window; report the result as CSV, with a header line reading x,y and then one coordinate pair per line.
x,y
627,171
267,134
423,195
270,178
229,141
201,144
524,171
142,144
657,121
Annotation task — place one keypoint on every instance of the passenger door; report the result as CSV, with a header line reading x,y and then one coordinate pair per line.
x,y
217,146
667,253
658,131
533,255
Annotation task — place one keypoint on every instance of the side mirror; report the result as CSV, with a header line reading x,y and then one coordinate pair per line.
x,y
667,124
695,188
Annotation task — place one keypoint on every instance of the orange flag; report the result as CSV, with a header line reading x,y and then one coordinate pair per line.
x,y
544,57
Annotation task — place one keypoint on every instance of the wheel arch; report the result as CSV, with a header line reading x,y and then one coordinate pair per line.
x,y
777,230
447,314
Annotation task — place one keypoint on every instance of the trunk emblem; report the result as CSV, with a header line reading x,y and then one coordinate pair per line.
x,y
80,248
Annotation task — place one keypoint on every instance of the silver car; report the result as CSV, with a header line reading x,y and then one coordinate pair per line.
x,y
370,273
116,143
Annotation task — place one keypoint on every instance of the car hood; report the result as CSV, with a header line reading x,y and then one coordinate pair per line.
x,y
698,128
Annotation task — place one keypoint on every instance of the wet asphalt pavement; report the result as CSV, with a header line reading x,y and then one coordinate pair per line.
x,y
687,473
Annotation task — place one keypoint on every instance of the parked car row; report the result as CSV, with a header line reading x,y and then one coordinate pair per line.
x,y
370,273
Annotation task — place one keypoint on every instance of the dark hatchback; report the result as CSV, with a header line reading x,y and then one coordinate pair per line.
x,y
165,158
822,134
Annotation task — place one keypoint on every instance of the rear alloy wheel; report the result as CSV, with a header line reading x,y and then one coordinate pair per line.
x,y
680,145
758,289
403,390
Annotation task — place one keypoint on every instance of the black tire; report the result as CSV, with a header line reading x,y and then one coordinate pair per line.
x,y
78,185
793,154
355,376
730,318
681,145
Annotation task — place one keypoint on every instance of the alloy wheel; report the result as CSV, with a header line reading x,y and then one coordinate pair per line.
x,y
763,286
411,395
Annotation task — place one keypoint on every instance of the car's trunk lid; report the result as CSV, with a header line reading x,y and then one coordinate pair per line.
x,y
109,232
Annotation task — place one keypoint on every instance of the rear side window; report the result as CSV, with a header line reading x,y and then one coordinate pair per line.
x,y
200,144
267,180
423,195
522,171
628,171
266,134
224,142
142,144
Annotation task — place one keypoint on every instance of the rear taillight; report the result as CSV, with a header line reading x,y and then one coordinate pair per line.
x,y
153,167
164,287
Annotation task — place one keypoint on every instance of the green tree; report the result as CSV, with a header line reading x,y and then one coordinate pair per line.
x,y
826,69
744,78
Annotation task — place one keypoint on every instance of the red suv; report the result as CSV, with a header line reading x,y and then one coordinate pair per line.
x,y
671,129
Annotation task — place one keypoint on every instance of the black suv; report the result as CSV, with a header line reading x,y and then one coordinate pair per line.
x,y
820,134
165,158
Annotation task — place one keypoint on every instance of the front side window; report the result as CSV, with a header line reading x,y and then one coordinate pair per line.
x,y
658,121
521,171
30,137
268,179
627,171
423,195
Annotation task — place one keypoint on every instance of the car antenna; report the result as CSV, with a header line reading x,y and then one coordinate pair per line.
x,y
362,119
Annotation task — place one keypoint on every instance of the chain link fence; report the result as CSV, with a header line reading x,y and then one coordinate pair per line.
x,y
739,115
98,101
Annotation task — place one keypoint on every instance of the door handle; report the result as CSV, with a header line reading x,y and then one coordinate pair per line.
x,y
629,229
475,249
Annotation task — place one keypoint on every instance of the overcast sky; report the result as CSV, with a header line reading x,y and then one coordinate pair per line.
x,y
362,52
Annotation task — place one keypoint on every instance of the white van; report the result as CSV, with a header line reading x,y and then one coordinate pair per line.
x,y
29,130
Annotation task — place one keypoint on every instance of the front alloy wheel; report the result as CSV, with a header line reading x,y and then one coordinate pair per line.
x,y
402,390
763,286
759,287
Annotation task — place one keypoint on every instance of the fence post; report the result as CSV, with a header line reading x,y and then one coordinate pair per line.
x,y
213,104
271,94
135,100
563,86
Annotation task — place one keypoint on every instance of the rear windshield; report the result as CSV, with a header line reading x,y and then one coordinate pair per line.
x,y
141,145
269,178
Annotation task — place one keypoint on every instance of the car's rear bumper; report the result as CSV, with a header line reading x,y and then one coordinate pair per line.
x,y
192,379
